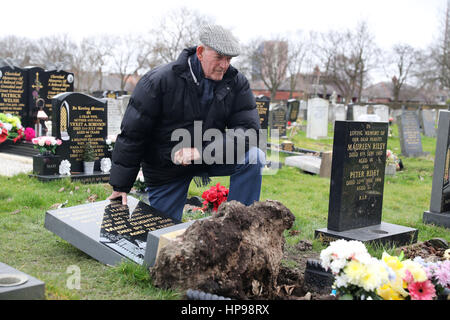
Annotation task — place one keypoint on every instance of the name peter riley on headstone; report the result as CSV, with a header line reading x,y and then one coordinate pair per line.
x,y
357,184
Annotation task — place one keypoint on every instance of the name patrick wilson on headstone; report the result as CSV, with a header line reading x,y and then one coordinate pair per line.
x,y
13,96
357,183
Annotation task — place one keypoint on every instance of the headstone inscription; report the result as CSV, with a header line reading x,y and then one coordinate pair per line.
x,y
111,232
428,120
317,125
293,107
278,120
59,81
439,212
13,94
357,183
77,119
409,134
262,105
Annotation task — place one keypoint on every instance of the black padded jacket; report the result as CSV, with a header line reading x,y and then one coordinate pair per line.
x,y
166,99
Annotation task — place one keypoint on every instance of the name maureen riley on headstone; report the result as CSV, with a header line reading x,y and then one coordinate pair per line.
x,y
77,119
357,183
409,134
317,125
110,232
439,212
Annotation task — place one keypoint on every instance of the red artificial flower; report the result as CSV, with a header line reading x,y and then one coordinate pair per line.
x,y
3,134
214,197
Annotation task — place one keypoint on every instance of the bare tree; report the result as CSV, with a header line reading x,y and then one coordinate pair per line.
x,y
403,58
177,30
21,50
269,60
55,49
298,49
130,54
347,59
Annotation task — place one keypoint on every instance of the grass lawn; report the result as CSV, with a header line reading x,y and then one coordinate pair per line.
x,y
27,246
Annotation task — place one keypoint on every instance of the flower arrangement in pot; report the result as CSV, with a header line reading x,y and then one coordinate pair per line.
x,y
10,128
88,158
46,162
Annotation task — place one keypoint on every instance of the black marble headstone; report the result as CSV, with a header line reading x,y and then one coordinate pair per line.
x,y
409,134
13,93
439,212
293,107
278,120
357,184
37,91
58,81
262,105
357,178
77,119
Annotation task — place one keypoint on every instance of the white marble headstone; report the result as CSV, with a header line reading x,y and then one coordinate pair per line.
x,y
317,125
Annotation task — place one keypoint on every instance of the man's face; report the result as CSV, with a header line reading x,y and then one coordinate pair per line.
x,y
214,65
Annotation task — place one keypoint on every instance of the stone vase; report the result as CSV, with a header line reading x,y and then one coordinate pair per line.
x,y
88,167
46,164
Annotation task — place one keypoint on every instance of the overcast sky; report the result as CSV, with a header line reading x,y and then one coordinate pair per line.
x,y
415,22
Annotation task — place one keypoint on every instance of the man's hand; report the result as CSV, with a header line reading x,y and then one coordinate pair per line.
x,y
186,156
117,194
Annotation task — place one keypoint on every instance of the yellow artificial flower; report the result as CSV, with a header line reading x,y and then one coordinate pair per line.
x,y
393,262
388,293
416,270
355,270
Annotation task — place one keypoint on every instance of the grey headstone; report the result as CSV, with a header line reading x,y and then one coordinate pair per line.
x,y
32,289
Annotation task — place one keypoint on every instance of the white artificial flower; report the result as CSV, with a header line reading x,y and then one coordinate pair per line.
x,y
64,167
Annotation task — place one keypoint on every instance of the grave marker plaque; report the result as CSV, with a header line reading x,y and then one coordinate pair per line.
x,y
262,105
428,120
59,81
357,183
439,212
278,120
317,125
293,107
77,119
409,134
13,94
110,232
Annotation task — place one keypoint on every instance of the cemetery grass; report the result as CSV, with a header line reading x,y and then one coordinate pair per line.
x,y
27,246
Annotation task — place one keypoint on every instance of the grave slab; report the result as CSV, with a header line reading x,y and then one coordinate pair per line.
x,y
110,232
309,164
384,233
31,289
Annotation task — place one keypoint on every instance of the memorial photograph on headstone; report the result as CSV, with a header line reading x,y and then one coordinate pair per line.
x,y
78,119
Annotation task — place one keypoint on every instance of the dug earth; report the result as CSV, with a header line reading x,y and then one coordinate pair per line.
x,y
235,253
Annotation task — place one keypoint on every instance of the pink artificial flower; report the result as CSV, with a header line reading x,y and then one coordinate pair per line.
x,y
48,142
422,290
443,274
58,142
29,134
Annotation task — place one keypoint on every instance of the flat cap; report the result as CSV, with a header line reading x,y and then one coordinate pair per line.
x,y
219,39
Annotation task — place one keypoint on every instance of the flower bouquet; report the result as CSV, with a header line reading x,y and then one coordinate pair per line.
x,y
392,159
110,142
10,128
357,274
214,197
46,145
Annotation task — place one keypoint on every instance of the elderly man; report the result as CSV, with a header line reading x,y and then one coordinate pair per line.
x,y
200,91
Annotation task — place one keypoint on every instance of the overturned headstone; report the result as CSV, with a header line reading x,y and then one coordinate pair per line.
x,y
236,253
